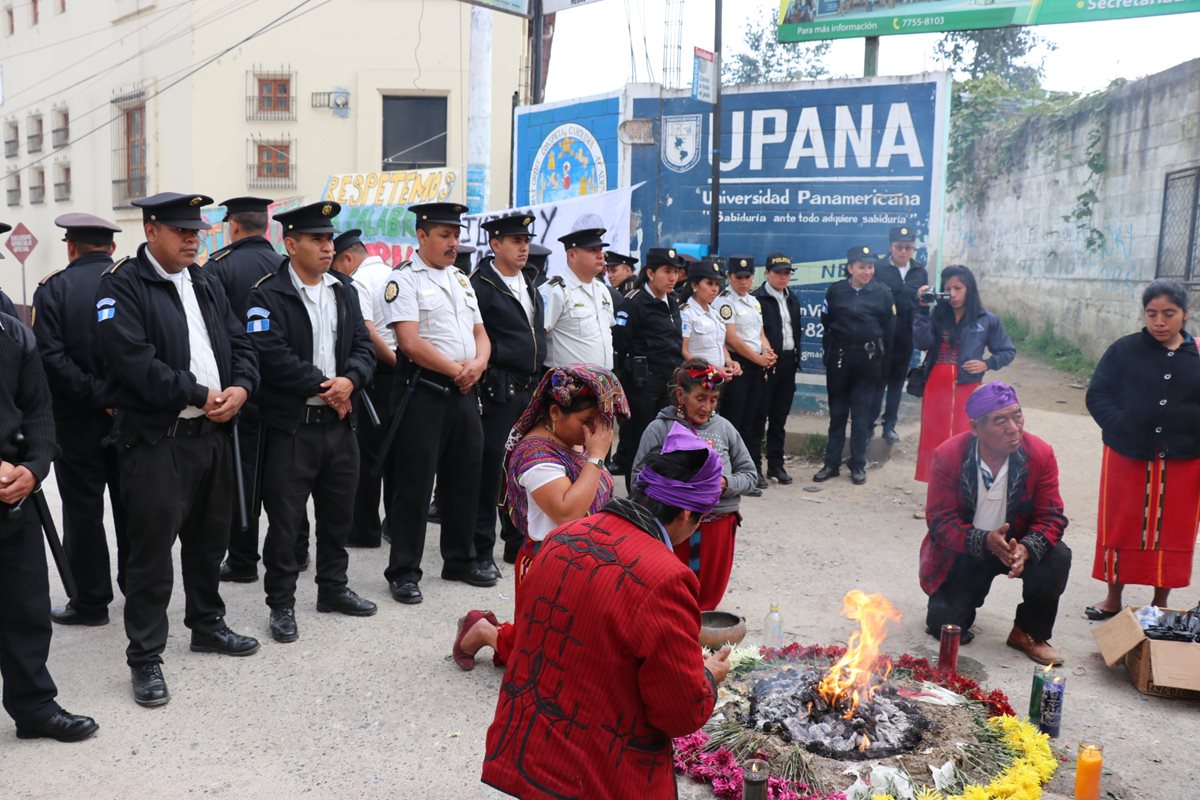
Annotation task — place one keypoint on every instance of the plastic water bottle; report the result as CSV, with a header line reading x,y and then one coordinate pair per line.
x,y
773,628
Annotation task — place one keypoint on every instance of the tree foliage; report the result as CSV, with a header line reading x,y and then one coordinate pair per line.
x,y
1003,52
768,60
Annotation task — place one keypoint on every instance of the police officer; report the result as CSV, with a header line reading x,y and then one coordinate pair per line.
x,y
64,309
579,309
512,316
434,313
24,589
370,274
747,342
782,324
314,350
903,275
621,274
535,268
705,317
648,338
859,317
178,367
246,260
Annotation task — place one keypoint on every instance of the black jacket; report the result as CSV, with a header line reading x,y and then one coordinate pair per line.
x,y
518,347
6,305
285,346
1146,398
24,400
651,328
904,291
773,320
144,342
240,265
852,318
65,325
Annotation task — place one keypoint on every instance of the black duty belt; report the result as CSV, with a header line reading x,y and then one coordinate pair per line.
x,y
191,427
319,415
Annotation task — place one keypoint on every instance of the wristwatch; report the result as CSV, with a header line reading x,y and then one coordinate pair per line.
x,y
599,462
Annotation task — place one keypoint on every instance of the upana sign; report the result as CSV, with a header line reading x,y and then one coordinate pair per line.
x,y
21,242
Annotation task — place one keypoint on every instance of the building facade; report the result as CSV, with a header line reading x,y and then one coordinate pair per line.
x,y
104,101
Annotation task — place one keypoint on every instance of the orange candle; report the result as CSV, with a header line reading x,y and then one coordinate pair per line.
x,y
1087,771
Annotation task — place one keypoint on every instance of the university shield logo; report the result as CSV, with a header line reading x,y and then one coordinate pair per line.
x,y
681,142
569,164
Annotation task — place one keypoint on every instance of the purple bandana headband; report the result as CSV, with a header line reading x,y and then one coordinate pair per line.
x,y
990,397
702,492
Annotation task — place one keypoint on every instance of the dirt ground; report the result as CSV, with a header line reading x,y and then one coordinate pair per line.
x,y
375,708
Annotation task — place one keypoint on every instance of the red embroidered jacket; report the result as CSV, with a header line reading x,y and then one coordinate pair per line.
x,y
606,667
1034,512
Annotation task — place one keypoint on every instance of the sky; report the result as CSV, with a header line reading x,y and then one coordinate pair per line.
x,y
1088,55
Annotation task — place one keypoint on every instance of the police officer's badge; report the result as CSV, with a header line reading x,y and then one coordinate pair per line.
x,y
462,280
106,308
257,320
326,210
197,201
391,291
726,312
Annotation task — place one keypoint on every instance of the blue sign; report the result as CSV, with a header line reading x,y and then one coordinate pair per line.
x,y
565,150
810,172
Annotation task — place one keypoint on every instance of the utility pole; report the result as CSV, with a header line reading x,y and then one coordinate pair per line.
x,y
715,206
871,57
539,31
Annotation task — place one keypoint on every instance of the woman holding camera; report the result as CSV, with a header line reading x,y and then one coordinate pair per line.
x,y
954,336
1145,396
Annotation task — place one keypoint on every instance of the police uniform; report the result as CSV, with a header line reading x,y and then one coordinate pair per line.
x,y
579,315
535,268
859,323
513,318
168,338
704,329
743,395
440,433
648,338
6,304
64,323
782,318
618,293
237,267
903,284
305,335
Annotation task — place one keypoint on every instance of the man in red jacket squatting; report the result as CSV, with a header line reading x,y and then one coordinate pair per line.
x,y
606,668
993,508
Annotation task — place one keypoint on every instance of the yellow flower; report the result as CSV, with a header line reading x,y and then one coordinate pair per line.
x,y
882,797
973,792
926,793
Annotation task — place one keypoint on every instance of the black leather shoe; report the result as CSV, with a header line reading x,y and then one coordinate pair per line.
x,y
779,474
434,514
345,601
825,473
406,592
762,481
283,625
890,436
62,725
511,550
229,575
149,687
475,576
225,642
617,468
859,476
754,492
68,615
488,567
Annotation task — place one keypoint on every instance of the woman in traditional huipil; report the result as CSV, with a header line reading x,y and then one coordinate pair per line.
x,y
1145,396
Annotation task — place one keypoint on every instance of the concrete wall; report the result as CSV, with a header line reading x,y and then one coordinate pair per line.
x,y
1033,264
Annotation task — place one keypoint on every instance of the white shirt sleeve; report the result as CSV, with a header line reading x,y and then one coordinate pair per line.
x,y
402,307
539,475
554,300
364,300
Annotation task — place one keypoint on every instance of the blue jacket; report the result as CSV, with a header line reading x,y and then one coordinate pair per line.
x,y
986,331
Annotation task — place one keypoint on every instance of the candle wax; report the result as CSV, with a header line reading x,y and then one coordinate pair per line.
x,y
1087,774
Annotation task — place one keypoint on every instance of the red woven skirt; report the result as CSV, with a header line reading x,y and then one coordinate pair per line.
x,y
943,413
709,553
1148,519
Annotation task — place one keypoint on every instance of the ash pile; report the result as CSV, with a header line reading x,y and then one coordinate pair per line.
x,y
789,704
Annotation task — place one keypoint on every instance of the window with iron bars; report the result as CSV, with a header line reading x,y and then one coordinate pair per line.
x,y
129,151
60,134
13,190
34,135
270,164
62,186
1179,231
12,137
37,186
271,95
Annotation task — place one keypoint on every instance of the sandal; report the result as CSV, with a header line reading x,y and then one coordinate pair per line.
x,y
1098,614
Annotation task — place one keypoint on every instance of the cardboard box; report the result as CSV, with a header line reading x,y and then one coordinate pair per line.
x,y
1165,669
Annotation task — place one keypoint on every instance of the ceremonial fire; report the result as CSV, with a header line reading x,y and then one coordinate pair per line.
x,y
852,681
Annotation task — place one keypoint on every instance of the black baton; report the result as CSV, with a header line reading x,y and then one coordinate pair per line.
x,y
260,456
369,407
42,508
409,387
239,476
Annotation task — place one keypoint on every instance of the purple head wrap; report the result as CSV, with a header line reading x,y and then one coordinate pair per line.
x,y
702,492
990,397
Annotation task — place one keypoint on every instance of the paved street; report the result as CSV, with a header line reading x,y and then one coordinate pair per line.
x,y
375,708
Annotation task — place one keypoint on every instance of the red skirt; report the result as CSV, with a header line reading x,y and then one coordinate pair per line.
x,y
1148,519
943,413
709,553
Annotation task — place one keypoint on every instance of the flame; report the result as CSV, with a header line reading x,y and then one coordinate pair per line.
x,y
866,742
852,680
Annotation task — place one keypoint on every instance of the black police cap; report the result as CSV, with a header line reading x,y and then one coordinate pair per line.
x,y
463,259
779,261
345,241
741,265
511,225
538,255
246,205
174,209
86,228
312,218
862,253
902,233
614,259
699,270
439,213
662,256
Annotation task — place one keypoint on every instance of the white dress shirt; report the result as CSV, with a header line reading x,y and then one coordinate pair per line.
x,y
579,318
991,507
321,306
516,285
704,331
440,301
789,342
747,319
372,274
202,361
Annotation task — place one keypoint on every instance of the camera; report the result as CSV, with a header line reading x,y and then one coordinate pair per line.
x,y
929,298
